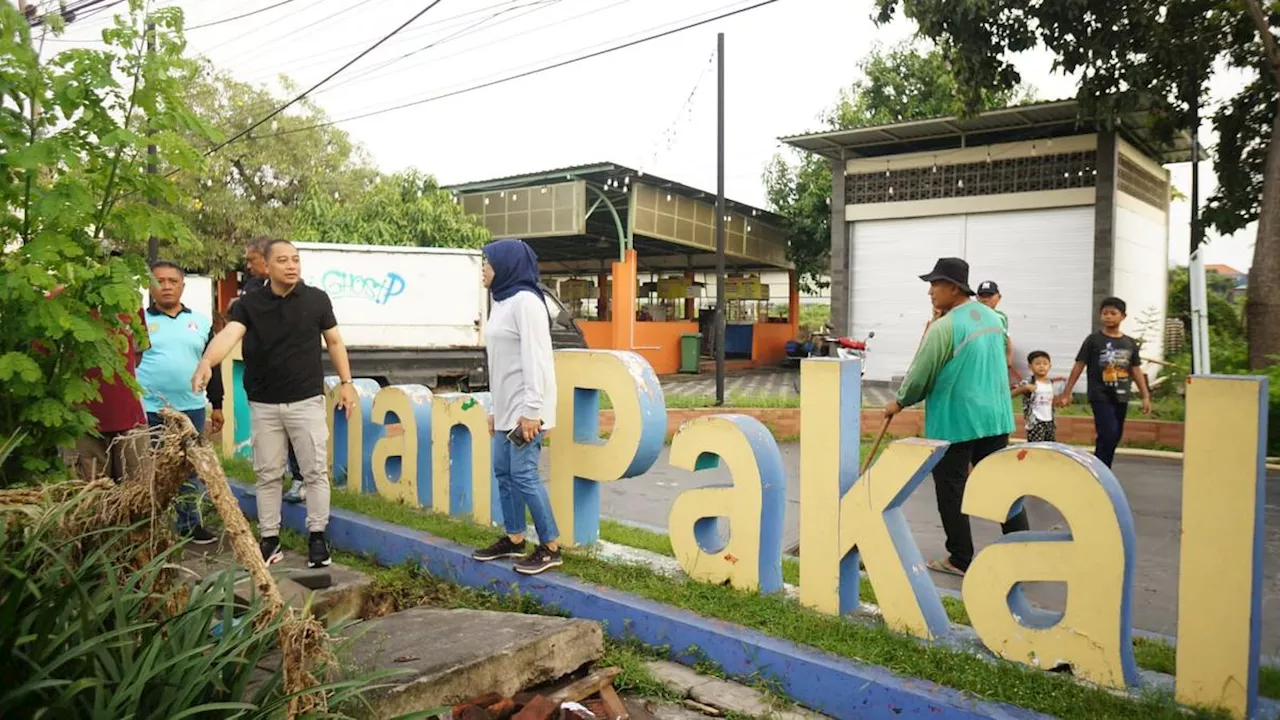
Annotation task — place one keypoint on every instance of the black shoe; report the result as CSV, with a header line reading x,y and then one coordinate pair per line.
x,y
317,551
504,548
541,559
271,552
200,536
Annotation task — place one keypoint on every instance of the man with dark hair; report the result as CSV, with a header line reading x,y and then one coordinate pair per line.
x,y
256,264
1112,360
281,327
960,371
989,295
179,336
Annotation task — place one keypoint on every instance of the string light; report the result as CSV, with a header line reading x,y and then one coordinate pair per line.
x,y
668,197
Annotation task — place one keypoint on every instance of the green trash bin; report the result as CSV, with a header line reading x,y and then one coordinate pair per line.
x,y
690,352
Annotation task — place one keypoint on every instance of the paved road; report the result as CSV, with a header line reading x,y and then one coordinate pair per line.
x,y
1153,488
765,382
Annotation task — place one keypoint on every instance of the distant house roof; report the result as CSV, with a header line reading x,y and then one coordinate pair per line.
x,y
1222,270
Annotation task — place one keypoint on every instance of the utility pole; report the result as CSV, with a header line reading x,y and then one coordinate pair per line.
x,y
1198,283
153,243
720,210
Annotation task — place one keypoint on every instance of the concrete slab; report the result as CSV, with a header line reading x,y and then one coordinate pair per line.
x,y
448,656
681,678
341,600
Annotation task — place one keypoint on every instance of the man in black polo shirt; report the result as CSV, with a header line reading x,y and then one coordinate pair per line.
x,y
281,326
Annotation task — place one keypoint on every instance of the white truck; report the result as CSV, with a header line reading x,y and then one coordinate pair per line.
x,y
414,315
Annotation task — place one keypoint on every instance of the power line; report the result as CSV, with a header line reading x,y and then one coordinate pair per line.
x,y
520,34
518,76
239,17
301,96
531,7
266,25
441,24
523,33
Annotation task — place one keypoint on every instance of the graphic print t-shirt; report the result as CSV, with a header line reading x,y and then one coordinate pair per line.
x,y
1111,363
1038,406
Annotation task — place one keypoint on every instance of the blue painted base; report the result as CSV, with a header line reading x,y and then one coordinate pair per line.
x,y
838,687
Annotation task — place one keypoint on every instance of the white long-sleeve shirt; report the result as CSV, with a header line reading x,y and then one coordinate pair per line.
x,y
522,377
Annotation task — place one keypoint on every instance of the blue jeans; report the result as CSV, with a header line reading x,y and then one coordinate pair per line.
x,y
188,505
1108,421
520,486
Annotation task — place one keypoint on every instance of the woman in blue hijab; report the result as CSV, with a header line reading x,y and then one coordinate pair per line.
x,y
522,383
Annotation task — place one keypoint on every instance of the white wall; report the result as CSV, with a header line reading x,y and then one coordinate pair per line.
x,y
887,258
1141,274
1043,263
1042,260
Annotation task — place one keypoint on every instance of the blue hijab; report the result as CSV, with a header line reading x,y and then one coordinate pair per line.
x,y
515,268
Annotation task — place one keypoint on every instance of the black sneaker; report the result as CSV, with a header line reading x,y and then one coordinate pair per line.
x,y
541,559
317,551
271,552
200,536
504,548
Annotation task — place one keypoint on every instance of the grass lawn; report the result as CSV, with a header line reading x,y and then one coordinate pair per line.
x,y
1006,682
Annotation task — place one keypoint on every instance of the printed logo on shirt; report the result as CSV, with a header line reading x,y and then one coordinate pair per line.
x,y
1115,363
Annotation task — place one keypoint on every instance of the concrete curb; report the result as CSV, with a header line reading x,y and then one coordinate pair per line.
x,y
839,687
1154,454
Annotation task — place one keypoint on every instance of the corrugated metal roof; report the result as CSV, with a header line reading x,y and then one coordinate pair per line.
x,y
1056,118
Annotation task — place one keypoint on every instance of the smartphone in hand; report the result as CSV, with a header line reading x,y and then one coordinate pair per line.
x,y
516,437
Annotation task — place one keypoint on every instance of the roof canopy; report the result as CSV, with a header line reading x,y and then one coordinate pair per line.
x,y
574,218
1059,118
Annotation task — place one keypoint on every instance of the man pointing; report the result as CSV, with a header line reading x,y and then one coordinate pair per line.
x,y
281,326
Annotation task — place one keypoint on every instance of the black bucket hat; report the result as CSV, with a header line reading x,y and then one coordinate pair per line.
x,y
953,270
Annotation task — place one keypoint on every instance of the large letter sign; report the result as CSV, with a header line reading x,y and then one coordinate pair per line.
x,y
462,458
1220,573
755,504
351,439
865,516
434,452
401,458
1095,559
580,460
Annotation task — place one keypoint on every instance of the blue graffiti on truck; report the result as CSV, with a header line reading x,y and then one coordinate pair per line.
x,y
341,284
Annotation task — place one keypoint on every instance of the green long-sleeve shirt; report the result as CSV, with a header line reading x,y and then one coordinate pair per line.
x,y
960,371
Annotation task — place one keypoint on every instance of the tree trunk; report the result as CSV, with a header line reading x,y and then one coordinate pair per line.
x,y
1263,305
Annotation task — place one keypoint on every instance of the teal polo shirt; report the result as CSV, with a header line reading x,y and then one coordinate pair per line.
x,y
177,343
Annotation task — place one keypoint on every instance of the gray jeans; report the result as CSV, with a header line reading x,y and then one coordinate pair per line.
x,y
274,427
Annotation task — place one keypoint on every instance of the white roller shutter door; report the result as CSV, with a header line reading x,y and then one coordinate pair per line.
x,y
1042,259
887,295
1043,262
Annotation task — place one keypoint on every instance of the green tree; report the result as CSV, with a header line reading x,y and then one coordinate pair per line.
x,y
901,83
407,208
1223,318
1169,51
75,216
256,185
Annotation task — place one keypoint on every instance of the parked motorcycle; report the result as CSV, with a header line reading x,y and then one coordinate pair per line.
x,y
838,347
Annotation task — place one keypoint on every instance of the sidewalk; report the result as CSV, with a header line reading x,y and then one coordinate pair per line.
x,y
1152,486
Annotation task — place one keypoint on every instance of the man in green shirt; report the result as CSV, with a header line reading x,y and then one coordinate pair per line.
x,y
960,371
989,295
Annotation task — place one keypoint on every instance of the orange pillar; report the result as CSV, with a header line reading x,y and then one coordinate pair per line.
x,y
602,300
689,305
793,303
624,302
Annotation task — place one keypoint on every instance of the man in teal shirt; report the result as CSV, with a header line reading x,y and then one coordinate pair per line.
x,y
961,373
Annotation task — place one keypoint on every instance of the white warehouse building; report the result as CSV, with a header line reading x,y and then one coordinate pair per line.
x,y
1059,213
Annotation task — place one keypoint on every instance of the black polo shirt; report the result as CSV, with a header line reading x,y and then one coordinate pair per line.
x,y
282,342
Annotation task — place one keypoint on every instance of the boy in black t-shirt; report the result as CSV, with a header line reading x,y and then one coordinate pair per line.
x,y
1113,363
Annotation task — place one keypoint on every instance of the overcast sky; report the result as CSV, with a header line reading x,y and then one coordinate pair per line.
x,y
652,106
